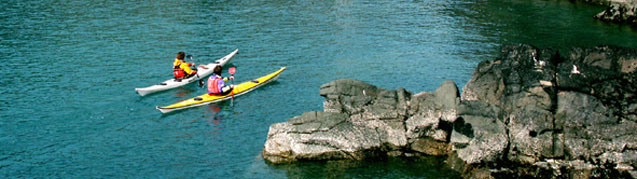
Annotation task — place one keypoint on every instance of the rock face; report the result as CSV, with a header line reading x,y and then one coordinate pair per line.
x,y
622,12
563,116
530,112
617,11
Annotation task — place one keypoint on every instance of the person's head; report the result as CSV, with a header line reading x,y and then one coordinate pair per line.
x,y
217,70
181,55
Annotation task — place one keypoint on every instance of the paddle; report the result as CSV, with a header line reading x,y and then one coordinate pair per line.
x,y
232,70
200,80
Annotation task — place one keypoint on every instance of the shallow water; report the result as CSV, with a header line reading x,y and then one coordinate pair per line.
x,y
68,108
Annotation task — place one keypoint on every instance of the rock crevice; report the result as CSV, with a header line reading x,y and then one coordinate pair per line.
x,y
530,112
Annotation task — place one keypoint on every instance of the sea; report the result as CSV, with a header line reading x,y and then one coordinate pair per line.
x,y
68,108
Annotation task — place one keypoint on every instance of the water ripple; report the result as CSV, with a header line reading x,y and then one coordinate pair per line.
x,y
68,109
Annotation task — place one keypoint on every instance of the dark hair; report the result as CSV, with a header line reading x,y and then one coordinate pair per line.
x,y
181,55
217,70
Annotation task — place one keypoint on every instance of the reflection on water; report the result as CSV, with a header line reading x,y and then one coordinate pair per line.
x,y
214,114
186,92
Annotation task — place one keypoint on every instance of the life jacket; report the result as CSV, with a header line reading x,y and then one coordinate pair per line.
x,y
214,86
176,63
177,70
179,73
186,67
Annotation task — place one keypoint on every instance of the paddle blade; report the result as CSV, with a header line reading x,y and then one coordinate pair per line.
x,y
232,70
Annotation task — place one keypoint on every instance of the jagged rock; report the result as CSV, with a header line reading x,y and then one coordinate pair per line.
x,y
530,112
478,137
364,101
551,168
617,11
432,115
347,96
592,133
371,122
319,136
622,12
578,107
525,91
605,72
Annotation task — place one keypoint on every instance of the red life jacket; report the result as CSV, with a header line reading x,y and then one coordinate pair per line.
x,y
213,84
179,73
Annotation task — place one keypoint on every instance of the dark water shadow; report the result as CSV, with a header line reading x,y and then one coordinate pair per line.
x,y
429,167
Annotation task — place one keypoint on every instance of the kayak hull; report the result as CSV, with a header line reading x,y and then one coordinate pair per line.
x,y
239,90
203,71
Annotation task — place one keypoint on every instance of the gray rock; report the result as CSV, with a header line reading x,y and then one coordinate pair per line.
x,y
605,72
362,121
347,96
319,136
579,108
519,69
521,82
432,114
592,133
478,138
621,12
528,113
617,11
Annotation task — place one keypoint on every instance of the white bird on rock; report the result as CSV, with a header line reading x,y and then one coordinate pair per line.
x,y
575,71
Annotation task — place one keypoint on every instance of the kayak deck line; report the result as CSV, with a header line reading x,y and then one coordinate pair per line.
x,y
226,97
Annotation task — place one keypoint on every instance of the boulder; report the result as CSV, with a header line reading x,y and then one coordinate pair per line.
x,y
621,12
607,73
479,137
319,136
528,113
367,121
523,81
432,115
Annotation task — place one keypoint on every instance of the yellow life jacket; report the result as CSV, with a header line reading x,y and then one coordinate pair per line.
x,y
176,63
186,67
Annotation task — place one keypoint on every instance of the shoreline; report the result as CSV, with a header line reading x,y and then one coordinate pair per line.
x,y
529,112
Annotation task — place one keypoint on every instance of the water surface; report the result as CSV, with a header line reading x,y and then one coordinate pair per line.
x,y
68,108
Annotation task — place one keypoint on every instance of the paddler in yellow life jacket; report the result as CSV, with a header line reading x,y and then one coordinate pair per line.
x,y
181,69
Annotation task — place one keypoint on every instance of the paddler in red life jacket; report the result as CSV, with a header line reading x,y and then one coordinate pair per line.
x,y
217,84
181,69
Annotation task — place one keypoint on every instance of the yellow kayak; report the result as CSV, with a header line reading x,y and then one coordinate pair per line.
x,y
239,90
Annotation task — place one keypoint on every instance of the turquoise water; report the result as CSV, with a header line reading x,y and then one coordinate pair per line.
x,y
67,101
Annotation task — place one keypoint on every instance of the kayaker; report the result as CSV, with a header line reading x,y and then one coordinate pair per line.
x,y
217,84
181,69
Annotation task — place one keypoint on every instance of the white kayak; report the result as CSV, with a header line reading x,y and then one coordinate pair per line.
x,y
203,71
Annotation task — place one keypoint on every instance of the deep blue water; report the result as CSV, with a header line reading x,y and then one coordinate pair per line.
x,y
67,101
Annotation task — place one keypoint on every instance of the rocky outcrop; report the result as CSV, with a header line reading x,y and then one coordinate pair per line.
x,y
564,116
621,12
361,121
617,11
530,112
